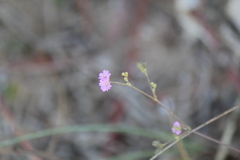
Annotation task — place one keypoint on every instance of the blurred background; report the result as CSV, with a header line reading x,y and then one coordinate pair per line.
x,y
51,53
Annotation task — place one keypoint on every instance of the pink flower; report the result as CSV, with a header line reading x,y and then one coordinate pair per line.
x,y
104,80
177,128
105,75
105,85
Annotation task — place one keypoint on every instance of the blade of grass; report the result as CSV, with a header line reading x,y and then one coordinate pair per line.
x,y
149,133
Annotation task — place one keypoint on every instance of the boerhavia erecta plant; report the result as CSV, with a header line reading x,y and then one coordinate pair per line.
x,y
179,129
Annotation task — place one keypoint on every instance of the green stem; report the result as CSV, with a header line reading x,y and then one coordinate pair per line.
x,y
153,92
151,97
196,129
182,123
134,88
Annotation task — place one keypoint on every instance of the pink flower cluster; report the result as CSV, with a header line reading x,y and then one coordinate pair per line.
x,y
104,80
177,128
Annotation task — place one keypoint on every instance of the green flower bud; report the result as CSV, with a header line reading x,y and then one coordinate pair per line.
x,y
125,74
142,67
176,137
158,145
129,84
154,85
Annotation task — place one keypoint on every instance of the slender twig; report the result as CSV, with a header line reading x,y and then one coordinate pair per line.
x,y
196,129
215,118
151,97
183,152
154,93
214,140
133,88
181,148
192,131
171,112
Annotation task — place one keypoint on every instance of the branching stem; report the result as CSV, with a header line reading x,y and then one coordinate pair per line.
x,y
178,119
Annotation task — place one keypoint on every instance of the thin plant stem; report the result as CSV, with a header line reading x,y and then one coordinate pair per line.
x,y
181,148
183,151
151,97
215,118
171,112
214,140
153,92
133,88
192,131
196,129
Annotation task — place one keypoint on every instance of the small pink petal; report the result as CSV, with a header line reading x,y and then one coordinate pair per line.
x,y
176,124
178,132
